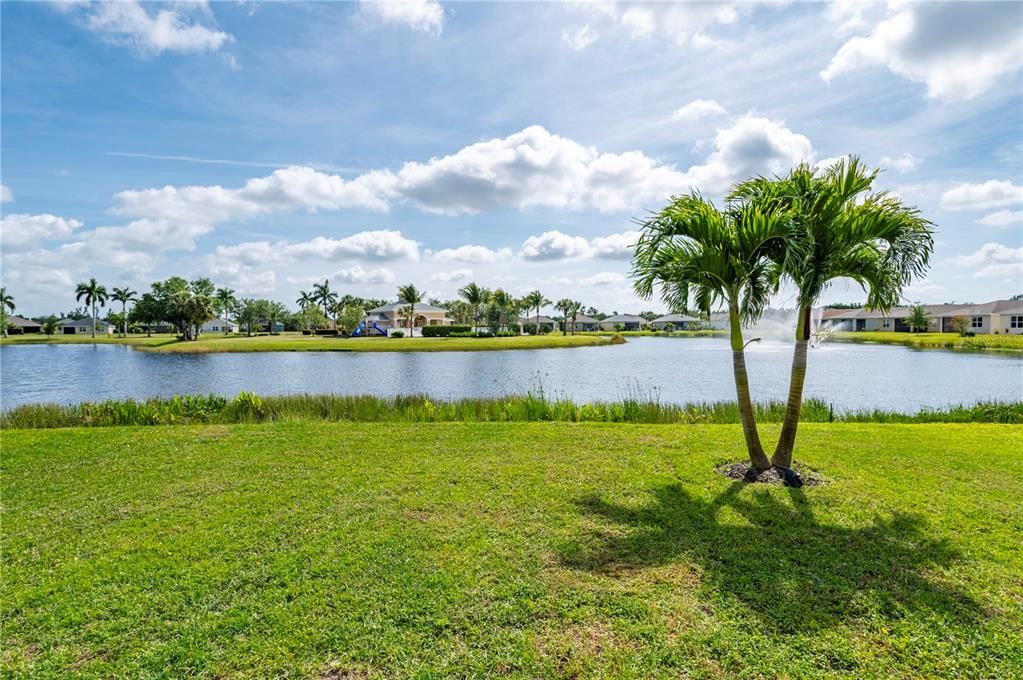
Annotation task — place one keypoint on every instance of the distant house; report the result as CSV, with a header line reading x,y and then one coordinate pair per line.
x,y
547,324
718,321
391,316
581,323
83,327
219,325
998,316
628,322
679,322
17,325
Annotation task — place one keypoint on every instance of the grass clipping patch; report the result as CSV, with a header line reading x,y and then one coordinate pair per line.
x,y
743,471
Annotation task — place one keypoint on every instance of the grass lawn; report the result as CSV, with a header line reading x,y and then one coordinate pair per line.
x,y
1001,342
350,550
296,342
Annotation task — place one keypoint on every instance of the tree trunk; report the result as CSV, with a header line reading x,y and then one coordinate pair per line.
x,y
786,441
93,320
749,424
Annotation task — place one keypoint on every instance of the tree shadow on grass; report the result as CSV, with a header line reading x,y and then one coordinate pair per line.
x,y
777,559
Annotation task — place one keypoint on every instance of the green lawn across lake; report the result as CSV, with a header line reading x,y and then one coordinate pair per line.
x,y
351,550
1001,342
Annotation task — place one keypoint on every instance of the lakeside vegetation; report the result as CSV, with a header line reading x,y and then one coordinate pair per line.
x,y
480,549
1003,343
253,408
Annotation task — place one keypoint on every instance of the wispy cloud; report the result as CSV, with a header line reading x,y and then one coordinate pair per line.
x,y
226,161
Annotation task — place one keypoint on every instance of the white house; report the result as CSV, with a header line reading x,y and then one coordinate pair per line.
x,y
83,327
678,322
392,316
997,316
627,322
219,325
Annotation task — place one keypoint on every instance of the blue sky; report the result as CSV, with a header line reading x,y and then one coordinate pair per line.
x,y
270,144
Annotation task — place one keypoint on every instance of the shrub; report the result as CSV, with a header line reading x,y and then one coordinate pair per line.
x,y
529,328
326,331
514,328
397,334
617,339
506,334
444,331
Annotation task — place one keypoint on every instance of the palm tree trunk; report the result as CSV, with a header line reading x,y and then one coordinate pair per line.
x,y
786,441
749,424
93,320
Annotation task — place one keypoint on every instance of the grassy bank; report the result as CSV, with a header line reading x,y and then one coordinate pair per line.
x,y
663,334
296,342
339,550
249,408
1002,342
133,340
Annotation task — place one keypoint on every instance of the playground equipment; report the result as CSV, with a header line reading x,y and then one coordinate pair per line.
x,y
361,328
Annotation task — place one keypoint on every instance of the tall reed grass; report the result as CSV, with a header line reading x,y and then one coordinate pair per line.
x,y
252,408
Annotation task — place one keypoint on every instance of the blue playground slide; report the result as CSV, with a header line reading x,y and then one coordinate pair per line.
x,y
372,327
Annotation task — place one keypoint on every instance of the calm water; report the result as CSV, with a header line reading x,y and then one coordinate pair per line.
x,y
672,370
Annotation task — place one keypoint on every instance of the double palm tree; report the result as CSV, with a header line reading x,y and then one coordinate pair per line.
x,y
696,257
410,296
565,306
535,300
323,295
124,296
6,305
504,302
226,303
837,228
92,294
475,296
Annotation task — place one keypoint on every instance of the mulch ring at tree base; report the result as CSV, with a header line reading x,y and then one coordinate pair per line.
x,y
745,472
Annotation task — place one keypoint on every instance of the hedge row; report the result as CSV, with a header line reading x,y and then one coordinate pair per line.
x,y
444,331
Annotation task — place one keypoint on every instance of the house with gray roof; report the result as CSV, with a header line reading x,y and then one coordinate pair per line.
x,y
392,316
581,323
678,322
547,324
17,325
83,327
997,316
627,322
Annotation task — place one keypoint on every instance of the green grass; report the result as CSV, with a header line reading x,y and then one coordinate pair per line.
x,y
100,339
663,334
296,342
341,550
1001,342
247,408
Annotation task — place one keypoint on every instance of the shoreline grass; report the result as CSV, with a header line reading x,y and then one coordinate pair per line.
x,y
375,550
296,342
953,341
252,408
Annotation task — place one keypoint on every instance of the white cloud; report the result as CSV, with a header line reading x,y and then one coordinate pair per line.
x,y
357,274
1003,218
699,109
959,49
6,195
452,276
426,16
680,22
603,279
554,245
994,193
992,260
21,231
579,39
378,245
615,246
155,29
904,163
471,253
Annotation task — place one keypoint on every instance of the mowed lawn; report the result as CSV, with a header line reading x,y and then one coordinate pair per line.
x,y
348,550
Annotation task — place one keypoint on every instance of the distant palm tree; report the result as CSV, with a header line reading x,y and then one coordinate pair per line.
x,y
410,295
576,308
226,303
535,300
124,296
564,305
6,305
92,294
475,296
305,300
504,303
324,295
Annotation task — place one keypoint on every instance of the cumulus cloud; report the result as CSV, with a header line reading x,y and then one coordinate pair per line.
x,y
615,246
6,195
379,245
959,49
1003,218
152,29
992,260
904,163
603,279
452,276
425,16
471,253
993,193
357,274
554,245
699,109
21,231
681,22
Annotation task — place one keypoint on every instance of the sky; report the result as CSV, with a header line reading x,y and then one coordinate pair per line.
x,y
271,145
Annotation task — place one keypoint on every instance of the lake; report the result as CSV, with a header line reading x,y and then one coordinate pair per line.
x,y
849,376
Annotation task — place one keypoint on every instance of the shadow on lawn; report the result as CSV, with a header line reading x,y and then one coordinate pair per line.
x,y
792,571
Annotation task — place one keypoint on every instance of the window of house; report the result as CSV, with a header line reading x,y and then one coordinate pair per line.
x,y
978,322
1016,322
886,323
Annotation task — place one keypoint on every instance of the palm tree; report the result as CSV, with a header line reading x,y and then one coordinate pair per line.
x,y
576,308
305,300
6,305
410,295
124,296
504,302
324,295
226,303
92,294
535,300
475,296
564,305
698,257
838,228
